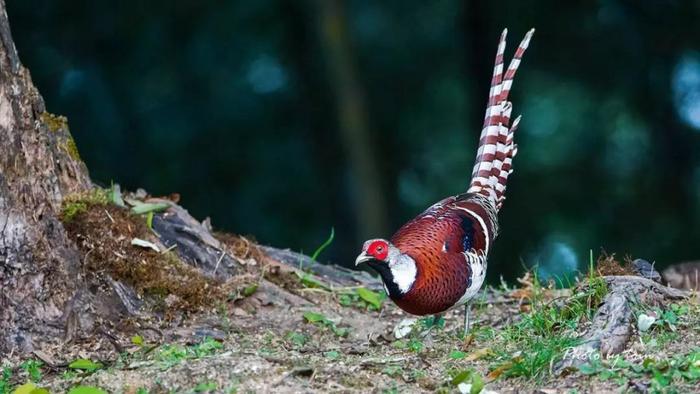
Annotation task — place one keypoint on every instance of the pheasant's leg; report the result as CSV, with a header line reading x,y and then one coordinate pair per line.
x,y
433,324
466,319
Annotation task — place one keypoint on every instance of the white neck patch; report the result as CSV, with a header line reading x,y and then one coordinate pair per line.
x,y
403,271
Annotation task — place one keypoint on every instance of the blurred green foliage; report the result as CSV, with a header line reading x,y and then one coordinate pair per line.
x,y
231,104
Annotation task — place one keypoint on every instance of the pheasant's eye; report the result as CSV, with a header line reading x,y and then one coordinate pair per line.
x,y
380,249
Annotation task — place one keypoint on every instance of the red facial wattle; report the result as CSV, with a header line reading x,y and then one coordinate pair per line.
x,y
379,250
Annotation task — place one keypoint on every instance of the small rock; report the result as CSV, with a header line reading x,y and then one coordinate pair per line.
x,y
239,312
404,327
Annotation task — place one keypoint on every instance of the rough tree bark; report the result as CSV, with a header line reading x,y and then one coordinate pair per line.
x,y
39,165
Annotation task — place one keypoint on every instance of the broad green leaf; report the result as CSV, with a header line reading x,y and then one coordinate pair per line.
x,y
370,297
309,281
661,379
477,384
461,377
297,338
341,332
250,290
149,220
313,317
332,354
146,207
457,355
415,345
85,364
26,388
137,340
86,390
115,195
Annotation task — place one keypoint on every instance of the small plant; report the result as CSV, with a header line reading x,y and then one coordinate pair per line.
x,y
362,298
432,322
85,365
203,387
332,354
67,375
309,280
5,377
531,346
415,345
457,355
320,319
86,390
392,370
297,339
207,347
137,340
469,379
173,354
33,369
324,245
660,372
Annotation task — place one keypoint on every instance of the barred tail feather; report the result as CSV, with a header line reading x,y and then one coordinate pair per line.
x,y
494,158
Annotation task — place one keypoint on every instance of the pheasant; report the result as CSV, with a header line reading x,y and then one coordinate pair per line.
x,y
437,261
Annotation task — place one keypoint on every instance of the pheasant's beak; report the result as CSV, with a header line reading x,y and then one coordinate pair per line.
x,y
362,258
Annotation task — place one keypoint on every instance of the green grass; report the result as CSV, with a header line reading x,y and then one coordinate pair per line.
x,y
361,298
33,369
662,373
169,355
532,346
5,376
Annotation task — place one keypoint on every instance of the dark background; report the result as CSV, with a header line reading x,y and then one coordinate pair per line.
x,y
282,119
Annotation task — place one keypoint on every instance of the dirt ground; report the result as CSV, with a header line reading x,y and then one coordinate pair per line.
x,y
313,339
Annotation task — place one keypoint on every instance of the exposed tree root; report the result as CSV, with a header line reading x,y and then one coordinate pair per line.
x,y
613,324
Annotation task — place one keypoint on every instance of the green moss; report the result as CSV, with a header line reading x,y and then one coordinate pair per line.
x,y
71,148
78,203
71,209
54,122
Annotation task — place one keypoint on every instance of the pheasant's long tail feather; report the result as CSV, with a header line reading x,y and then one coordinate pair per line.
x,y
494,158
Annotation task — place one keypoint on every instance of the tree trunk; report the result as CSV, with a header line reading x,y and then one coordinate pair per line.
x,y
62,280
39,165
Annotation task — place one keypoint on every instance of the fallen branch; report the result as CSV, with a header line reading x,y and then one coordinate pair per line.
x,y
329,272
